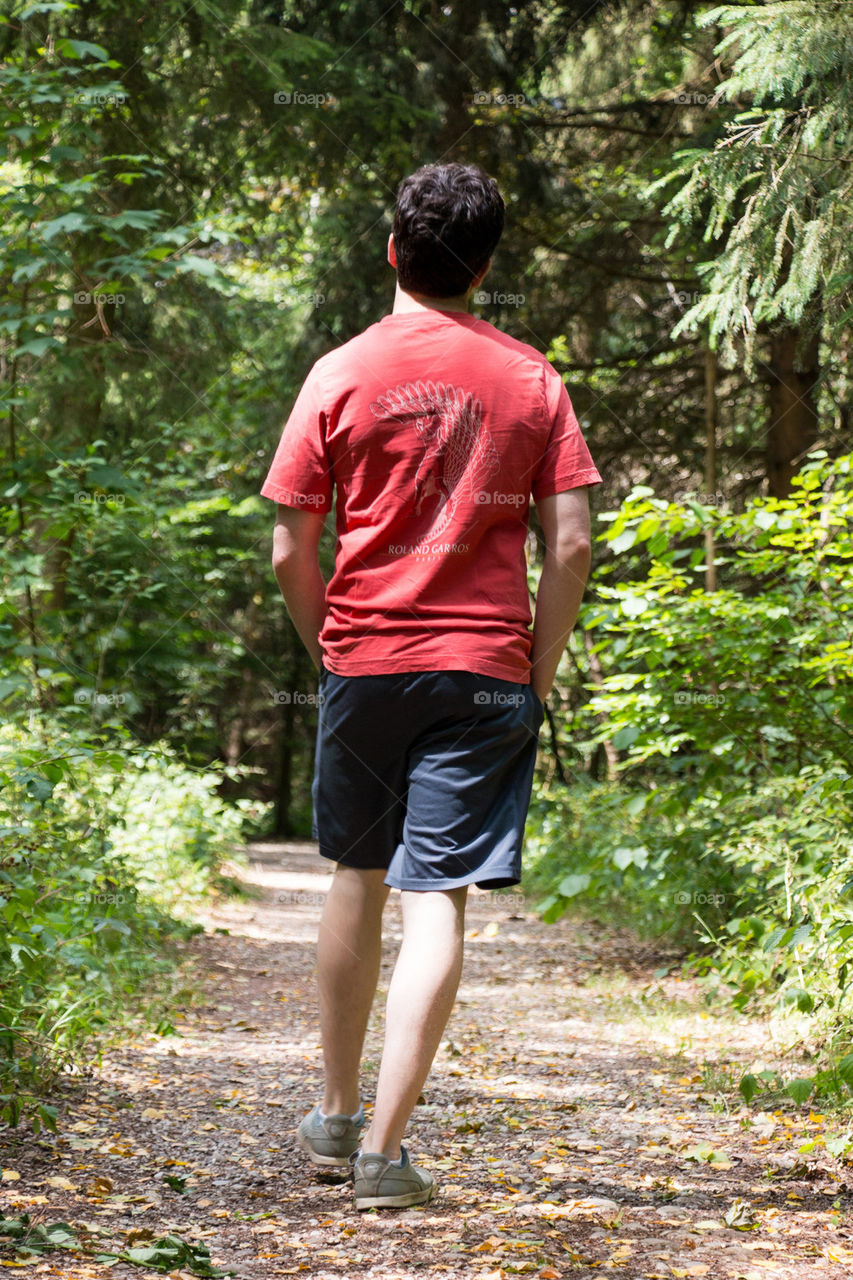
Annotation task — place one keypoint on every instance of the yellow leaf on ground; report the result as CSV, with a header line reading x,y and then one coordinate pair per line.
x,y
100,1186
61,1184
10,1175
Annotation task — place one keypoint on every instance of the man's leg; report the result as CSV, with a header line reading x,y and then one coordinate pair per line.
x,y
420,999
349,948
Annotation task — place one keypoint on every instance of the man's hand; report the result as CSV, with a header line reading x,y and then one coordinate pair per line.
x,y
565,524
295,563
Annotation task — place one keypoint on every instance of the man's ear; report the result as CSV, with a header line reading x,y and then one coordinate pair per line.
x,y
481,275
392,252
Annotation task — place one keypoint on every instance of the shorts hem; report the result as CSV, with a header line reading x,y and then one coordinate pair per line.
x,y
344,861
495,881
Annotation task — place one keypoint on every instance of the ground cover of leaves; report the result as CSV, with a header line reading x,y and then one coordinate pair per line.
x,y
568,1120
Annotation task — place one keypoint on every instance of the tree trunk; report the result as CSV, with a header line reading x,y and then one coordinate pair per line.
x,y
284,784
793,415
710,463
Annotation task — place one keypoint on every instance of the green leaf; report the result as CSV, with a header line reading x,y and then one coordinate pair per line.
x,y
623,541
625,737
845,1069
36,347
632,606
67,48
800,1089
573,884
748,1087
800,934
64,225
636,857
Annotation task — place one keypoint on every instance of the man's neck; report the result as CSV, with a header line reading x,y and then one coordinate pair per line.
x,y
419,302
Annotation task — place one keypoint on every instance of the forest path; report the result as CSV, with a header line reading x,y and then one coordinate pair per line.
x,y
566,1119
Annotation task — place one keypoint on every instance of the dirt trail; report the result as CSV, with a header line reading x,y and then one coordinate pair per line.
x,y
569,1130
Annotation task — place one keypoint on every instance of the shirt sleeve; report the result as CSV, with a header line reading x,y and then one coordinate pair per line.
x,y
301,471
566,462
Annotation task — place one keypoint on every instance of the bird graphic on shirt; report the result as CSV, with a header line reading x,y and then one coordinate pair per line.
x,y
459,453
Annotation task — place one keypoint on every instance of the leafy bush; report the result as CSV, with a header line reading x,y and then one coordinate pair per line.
x,y
731,713
101,846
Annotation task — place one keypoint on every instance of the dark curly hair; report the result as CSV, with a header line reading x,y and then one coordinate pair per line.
x,y
447,224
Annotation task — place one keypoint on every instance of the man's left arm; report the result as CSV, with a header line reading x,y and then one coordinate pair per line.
x,y
296,564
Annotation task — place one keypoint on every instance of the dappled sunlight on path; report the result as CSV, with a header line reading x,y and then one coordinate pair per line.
x,y
568,1119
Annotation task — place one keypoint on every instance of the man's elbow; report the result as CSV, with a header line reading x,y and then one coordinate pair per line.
x,y
280,557
288,561
574,551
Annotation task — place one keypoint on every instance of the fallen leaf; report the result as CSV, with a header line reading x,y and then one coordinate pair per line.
x,y
740,1216
100,1186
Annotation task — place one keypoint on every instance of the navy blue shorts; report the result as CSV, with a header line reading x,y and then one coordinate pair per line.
x,y
426,774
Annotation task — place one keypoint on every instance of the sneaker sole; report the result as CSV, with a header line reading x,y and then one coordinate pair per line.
x,y
395,1202
324,1162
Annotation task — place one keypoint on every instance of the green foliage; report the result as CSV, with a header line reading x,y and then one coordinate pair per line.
x,y
776,187
182,239
35,1239
102,849
737,681
731,713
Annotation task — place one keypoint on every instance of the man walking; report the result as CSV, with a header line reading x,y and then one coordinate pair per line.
x,y
433,429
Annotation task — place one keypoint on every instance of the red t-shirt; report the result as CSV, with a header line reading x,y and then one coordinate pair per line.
x,y
434,428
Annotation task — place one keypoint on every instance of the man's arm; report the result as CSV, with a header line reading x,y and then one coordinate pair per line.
x,y
565,524
296,565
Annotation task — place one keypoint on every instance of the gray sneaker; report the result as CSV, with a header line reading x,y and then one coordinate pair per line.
x,y
330,1141
379,1184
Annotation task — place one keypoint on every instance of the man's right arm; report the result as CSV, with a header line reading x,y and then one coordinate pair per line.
x,y
296,539
565,525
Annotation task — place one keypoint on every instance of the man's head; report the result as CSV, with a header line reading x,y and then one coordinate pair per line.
x,y
447,224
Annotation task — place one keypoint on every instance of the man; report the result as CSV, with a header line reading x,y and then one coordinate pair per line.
x,y
434,429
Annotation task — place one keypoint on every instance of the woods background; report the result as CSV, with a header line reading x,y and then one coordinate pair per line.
x,y
196,203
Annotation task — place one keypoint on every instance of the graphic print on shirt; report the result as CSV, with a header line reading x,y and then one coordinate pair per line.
x,y
459,454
